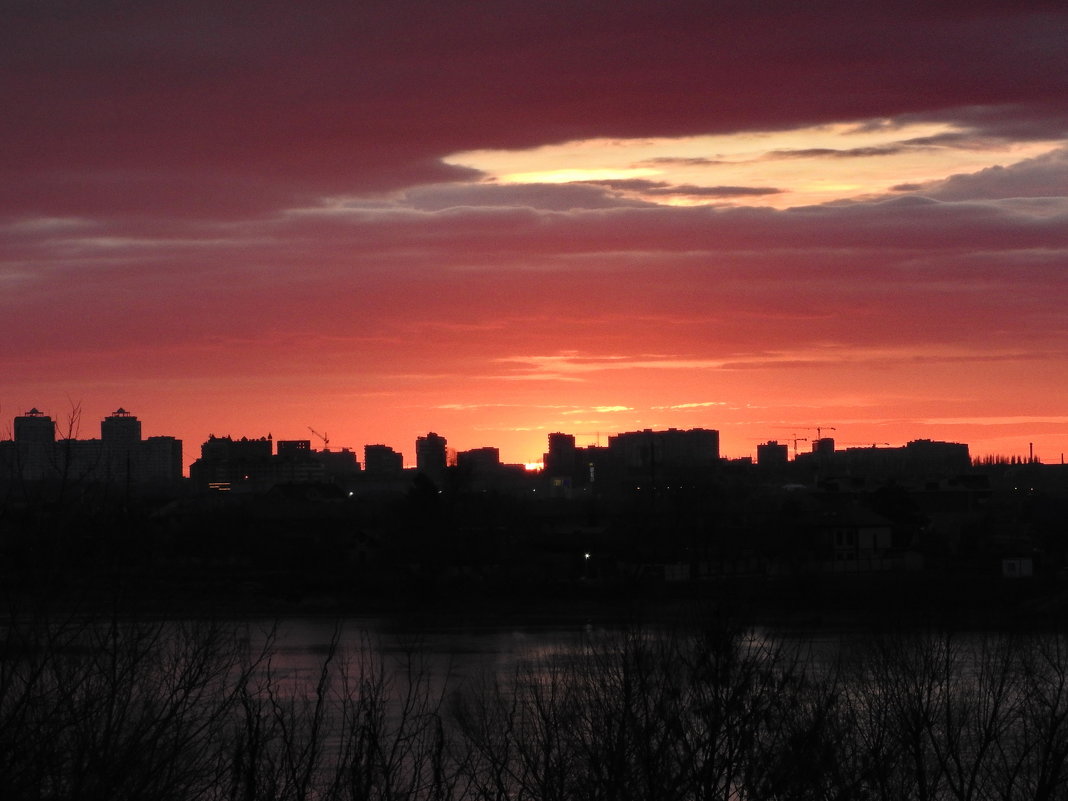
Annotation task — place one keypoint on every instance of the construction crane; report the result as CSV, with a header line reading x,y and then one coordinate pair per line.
x,y
797,440
819,430
323,437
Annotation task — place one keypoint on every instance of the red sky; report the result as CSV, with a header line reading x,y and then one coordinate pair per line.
x,y
497,220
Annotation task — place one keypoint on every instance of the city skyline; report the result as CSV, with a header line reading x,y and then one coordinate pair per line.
x,y
431,451
798,438
499,221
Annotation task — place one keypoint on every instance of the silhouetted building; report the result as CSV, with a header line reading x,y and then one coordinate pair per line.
x,y
229,448
823,446
35,438
335,466
339,467
560,464
120,452
382,460
772,454
919,460
431,455
594,464
930,457
853,539
119,458
235,464
121,428
479,461
560,460
481,470
162,460
569,470
295,463
294,448
655,454
249,464
35,426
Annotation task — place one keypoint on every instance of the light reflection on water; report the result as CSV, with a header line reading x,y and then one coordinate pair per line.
x,y
474,651
450,656
452,653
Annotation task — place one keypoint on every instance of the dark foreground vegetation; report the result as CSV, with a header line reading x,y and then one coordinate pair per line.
x,y
112,708
769,562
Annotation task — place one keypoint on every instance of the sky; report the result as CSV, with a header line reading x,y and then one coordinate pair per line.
x,y
497,220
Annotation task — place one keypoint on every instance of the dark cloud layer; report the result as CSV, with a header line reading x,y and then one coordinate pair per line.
x,y
1044,176
663,188
279,100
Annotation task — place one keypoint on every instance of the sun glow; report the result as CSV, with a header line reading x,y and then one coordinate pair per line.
x,y
576,175
769,168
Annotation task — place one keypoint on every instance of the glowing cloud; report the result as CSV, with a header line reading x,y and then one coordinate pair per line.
x,y
780,169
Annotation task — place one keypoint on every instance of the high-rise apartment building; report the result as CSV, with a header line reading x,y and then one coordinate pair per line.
x,y
35,445
431,455
120,428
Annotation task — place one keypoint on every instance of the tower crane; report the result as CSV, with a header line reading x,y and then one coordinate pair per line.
x,y
323,437
819,430
796,440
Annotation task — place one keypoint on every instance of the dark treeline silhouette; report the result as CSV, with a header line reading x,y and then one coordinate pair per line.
x,y
819,551
117,708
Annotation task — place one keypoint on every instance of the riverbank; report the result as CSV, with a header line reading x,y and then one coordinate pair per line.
x,y
875,601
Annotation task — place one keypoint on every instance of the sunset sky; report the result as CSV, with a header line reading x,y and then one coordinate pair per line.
x,y
495,220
